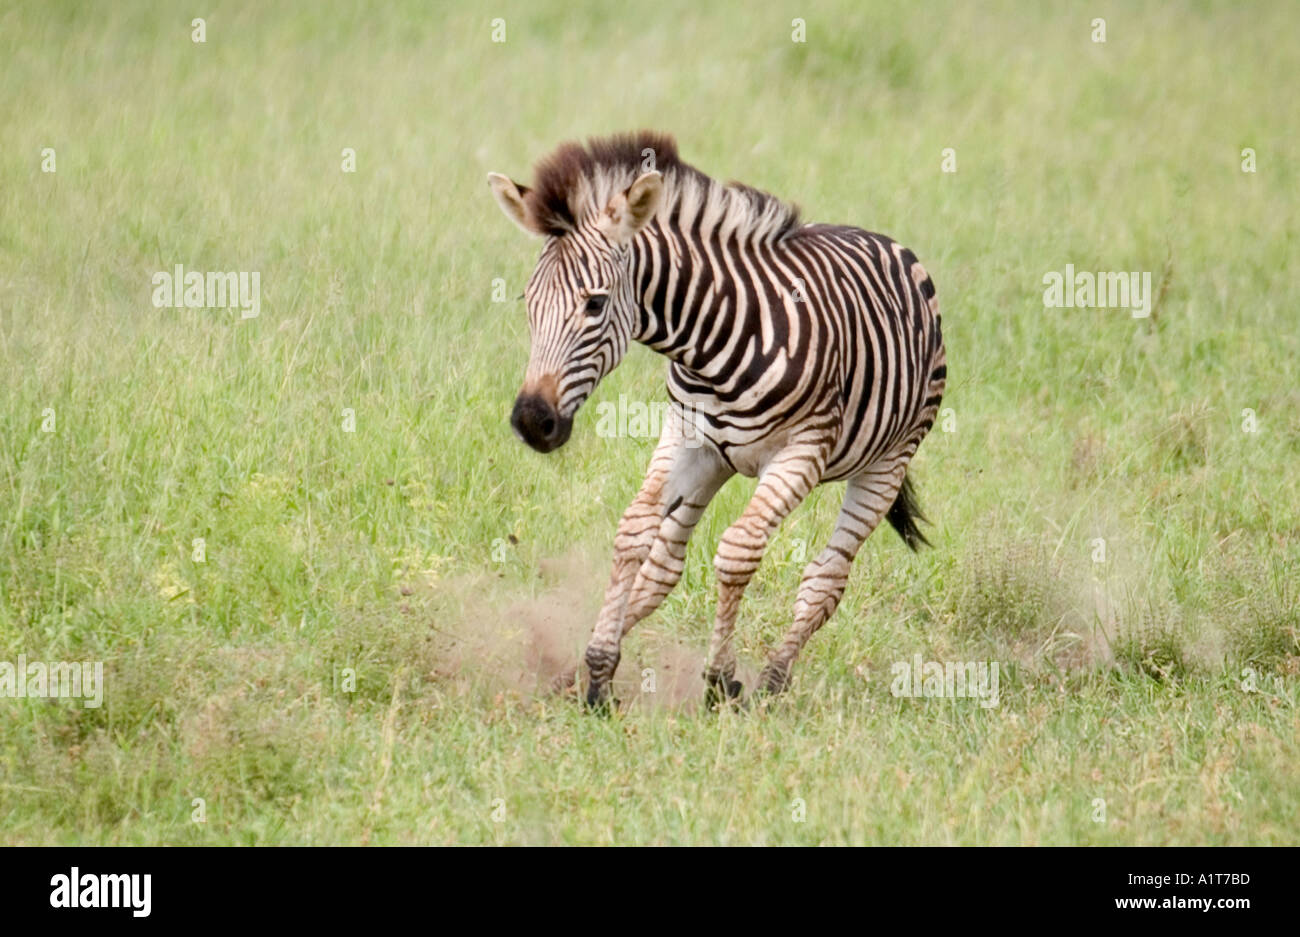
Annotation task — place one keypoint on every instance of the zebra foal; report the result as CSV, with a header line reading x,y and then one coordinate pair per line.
x,y
806,353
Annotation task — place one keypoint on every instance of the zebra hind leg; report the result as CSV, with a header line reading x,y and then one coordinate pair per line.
x,y
868,498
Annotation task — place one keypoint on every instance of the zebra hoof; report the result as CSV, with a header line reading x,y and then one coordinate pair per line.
x,y
600,702
720,691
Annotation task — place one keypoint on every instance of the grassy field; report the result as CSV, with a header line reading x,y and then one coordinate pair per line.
x,y
365,511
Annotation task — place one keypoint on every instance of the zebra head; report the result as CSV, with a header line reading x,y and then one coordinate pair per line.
x,y
582,310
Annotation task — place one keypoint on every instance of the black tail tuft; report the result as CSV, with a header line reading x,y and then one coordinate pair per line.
x,y
904,515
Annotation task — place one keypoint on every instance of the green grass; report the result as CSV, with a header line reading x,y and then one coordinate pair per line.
x,y
1161,680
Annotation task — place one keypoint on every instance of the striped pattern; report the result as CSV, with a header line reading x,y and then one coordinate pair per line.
x,y
806,353
577,361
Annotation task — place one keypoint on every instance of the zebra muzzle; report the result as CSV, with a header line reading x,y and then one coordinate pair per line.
x,y
537,423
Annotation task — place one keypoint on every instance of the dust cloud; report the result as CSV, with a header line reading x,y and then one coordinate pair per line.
x,y
528,638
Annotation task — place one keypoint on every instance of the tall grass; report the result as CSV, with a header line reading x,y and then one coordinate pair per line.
x,y
435,560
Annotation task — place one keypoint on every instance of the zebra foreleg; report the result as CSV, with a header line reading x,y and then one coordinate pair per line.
x,y
866,500
663,566
650,551
793,473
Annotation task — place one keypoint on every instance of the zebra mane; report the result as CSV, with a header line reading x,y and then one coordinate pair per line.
x,y
574,183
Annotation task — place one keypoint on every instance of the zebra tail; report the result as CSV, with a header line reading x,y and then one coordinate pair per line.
x,y
904,514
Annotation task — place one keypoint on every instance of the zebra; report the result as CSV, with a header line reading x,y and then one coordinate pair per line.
x,y
804,354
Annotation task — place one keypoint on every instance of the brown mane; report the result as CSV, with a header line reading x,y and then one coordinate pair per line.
x,y
575,181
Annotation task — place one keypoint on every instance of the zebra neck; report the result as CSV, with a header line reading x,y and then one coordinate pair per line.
x,y
675,289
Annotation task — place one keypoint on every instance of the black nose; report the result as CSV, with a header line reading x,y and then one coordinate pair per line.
x,y
536,423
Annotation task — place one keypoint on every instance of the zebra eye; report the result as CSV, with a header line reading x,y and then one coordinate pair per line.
x,y
596,303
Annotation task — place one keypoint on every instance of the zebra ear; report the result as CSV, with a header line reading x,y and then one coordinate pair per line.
x,y
511,199
633,209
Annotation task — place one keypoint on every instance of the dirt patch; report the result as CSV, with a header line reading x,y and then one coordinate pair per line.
x,y
528,638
